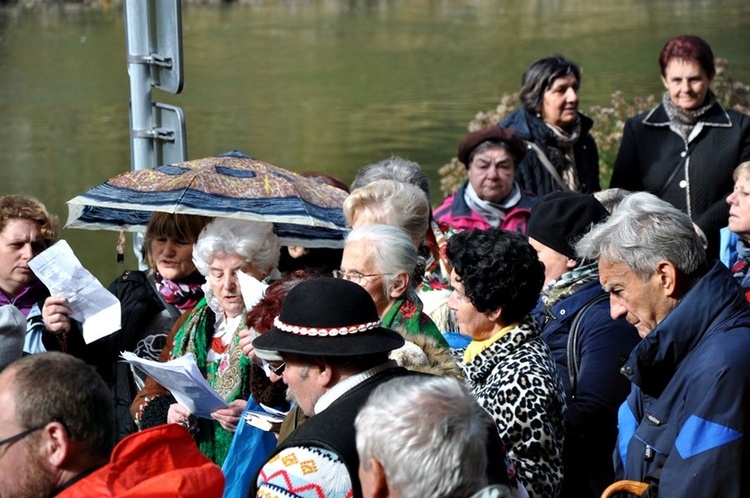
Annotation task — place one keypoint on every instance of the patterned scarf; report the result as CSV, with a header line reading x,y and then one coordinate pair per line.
x,y
493,212
682,121
183,295
406,315
740,268
568,283
565,141
195,337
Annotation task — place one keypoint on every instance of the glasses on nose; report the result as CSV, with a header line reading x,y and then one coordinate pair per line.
x,y
355,276
277,369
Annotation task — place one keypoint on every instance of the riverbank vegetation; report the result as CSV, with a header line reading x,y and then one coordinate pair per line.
x,y
609,122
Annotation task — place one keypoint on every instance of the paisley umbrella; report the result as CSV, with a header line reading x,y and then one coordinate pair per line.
x,y
232,185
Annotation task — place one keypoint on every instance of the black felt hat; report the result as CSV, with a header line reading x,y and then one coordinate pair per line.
x,y
559,219
329,317
515,145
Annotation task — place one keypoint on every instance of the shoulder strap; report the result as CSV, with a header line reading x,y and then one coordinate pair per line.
x,y
573,359
548,165
174,312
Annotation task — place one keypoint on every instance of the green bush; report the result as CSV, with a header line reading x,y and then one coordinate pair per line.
x,y
608,123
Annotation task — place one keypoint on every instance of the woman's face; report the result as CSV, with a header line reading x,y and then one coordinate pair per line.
x,y
555,264
560,102
20,241
172,258
479,326
739,208
358,259
222,278
491,174
687,83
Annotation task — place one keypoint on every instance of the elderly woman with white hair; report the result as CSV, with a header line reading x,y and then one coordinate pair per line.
x,y
406,206
211,332
381,258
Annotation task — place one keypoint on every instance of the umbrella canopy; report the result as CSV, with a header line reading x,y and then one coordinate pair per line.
x,y
232,185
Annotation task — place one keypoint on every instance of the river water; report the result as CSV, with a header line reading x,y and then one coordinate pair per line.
x,y
327,85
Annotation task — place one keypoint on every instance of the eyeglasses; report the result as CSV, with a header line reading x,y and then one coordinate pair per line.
x,y
21,435
277,369
28,432
355,276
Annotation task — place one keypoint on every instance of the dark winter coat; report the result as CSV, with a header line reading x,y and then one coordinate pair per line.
x,y
603,345
146,321
694,176
531,173
688,411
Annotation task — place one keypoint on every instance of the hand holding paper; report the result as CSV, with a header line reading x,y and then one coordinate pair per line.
x,y
183,379
89,302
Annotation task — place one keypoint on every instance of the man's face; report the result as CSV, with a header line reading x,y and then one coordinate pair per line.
x,y
302,380
642,304
23,471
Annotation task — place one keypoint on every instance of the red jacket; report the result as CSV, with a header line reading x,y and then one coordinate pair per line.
x,y
161,461
456,213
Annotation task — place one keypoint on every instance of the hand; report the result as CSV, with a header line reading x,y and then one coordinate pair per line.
x,y
179,414
246,344
56,314
230,417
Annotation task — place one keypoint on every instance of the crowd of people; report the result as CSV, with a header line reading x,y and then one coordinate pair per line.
x,y
533,336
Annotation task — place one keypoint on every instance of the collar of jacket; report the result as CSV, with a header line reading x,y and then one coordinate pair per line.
x,y
567,308
715,301
459,208
716,116
483,364
522,122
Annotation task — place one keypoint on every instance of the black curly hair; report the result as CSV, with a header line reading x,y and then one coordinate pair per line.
x,y
498,269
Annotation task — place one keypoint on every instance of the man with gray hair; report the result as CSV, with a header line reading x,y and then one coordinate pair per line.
x,y
383,259
423,436
684,424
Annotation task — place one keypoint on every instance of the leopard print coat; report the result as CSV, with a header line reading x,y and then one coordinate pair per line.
x,y
516,381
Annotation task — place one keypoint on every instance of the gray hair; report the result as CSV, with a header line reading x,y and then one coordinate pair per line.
x,y
539,77
254,241
429,435
400,204
393,252
394,168
643,231
611,198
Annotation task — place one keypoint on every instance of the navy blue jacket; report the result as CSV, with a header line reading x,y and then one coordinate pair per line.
x,y
688,411
591,421
531,173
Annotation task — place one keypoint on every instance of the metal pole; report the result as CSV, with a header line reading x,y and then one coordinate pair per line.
x,y
137,29
142,152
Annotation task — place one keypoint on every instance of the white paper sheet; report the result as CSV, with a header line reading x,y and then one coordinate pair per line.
x,y
183,379
89,301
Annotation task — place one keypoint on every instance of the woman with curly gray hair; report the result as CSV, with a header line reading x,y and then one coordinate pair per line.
x,y
496,281
211,332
